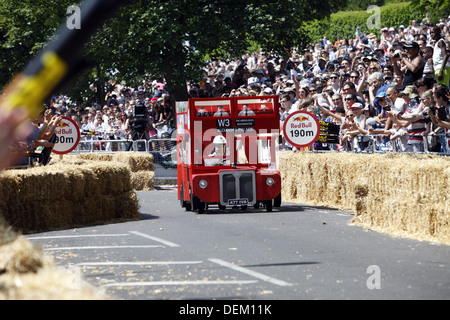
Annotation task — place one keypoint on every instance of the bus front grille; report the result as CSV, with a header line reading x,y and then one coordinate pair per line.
x,y
237,188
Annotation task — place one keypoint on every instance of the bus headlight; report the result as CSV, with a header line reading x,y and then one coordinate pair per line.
x,y
270,181
203,184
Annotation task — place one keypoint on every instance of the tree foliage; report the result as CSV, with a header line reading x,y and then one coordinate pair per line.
x,y
159,37
442,5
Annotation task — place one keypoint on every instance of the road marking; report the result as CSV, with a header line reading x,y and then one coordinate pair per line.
x,y
101,247
251,273
167,243
177,283
139,263
78,236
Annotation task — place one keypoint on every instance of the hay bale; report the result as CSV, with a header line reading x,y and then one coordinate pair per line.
x,y
26,273
137,161
94,156
61,195
143,180
398,194
321,179
113,177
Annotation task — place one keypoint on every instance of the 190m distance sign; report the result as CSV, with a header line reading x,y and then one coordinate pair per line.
x,y
68,136
301,129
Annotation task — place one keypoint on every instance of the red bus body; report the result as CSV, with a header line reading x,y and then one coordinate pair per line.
x,y
245,174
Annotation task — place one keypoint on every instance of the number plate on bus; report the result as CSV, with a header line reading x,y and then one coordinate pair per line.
x,y
237,202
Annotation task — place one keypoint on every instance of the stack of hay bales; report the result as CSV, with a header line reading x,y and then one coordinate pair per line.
x,y
26,273
322,179
405,195
67,194
140,164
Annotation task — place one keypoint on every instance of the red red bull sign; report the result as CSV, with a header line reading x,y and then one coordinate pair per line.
x,y
68,136
301,129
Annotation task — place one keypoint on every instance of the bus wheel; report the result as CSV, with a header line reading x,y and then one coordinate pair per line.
x,y
222,208
185,204
198,205
269,205
201,207
194,202
277,201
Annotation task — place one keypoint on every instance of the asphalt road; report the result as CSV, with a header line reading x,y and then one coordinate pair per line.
x,y
295,252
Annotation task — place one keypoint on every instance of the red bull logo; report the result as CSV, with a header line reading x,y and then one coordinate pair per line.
x,y
63,124
301,122
300,119
61,128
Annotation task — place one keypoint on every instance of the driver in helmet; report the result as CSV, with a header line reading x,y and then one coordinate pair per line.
x,y
216,158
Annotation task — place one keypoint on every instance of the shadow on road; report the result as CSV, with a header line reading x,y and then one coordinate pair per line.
x,y
288,207
147,216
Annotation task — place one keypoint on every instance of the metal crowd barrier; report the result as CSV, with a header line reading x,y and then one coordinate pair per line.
x,y
376,144
165,153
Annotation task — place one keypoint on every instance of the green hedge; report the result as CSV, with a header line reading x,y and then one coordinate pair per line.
x,y
344,23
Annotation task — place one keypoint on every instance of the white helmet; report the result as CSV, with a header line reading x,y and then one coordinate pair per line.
x,y
220,140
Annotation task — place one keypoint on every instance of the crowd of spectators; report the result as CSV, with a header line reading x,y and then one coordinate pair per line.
x,y
383,91
391,90
127,114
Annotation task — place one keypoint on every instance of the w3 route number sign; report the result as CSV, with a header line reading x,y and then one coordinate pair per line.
x,y
68,136
301,129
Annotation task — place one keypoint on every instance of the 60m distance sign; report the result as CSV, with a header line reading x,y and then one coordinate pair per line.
x,y
301,129
68,136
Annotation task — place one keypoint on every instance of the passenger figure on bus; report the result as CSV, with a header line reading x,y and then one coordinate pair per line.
x,y
264,110
202,112
216,158
246,111
221,112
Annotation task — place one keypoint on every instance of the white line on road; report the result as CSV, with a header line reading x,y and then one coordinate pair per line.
x,y
139,263
167,243
251,273
101,247
78,236
177,283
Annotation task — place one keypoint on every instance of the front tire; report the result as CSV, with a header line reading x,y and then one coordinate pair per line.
x,y
269,205
277,201
198,205
201,207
